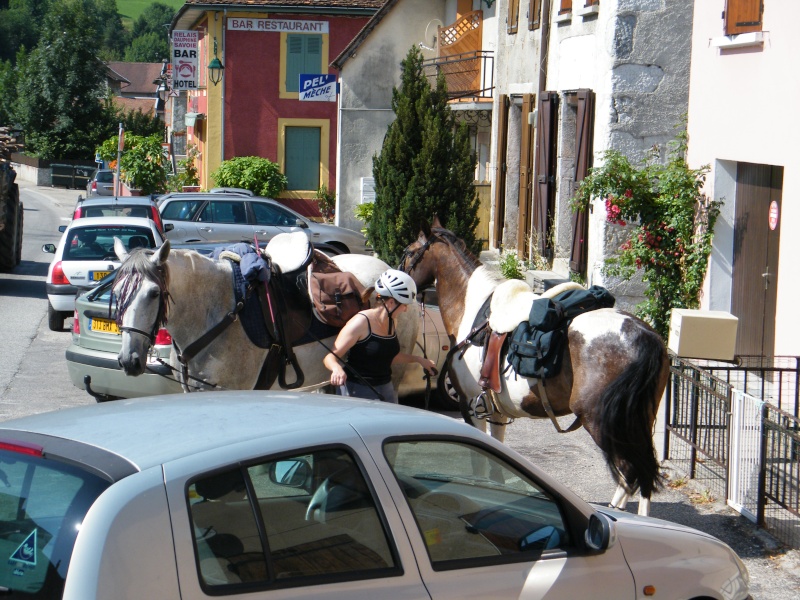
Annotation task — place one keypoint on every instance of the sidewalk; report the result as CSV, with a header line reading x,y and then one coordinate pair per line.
x,y
60,197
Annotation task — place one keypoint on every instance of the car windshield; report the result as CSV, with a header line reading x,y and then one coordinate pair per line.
x,y
97,243
42,505
105,176
117,210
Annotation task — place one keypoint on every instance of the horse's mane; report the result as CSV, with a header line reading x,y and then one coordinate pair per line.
x,y
458,245
136,268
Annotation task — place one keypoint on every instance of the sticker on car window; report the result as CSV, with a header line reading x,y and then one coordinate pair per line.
x,y
26,551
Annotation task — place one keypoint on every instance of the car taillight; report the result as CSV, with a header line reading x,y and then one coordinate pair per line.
x,y
157,218
21,447
163,338
77,213
58,277
76,323
94,186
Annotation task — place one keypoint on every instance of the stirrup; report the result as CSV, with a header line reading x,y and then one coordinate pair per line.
x,y
481,407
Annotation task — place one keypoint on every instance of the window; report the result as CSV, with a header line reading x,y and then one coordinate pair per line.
x,y
302,158
224,212
743,16
301,53
181,210
271,215
289,520
470,504
513,16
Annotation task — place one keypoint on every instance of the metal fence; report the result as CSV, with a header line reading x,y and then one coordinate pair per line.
x,y
734,428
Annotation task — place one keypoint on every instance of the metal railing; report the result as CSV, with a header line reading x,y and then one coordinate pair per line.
x,y
727,430
468,75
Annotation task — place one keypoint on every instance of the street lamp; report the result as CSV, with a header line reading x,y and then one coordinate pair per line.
x,y
215,67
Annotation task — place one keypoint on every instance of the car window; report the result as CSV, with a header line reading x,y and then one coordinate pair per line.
x,y
105,176
470,504
97,243
42,505
181,210
224,212
293,521
118,211
269,214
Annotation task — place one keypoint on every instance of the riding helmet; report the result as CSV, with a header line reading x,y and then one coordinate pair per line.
x,y
398,285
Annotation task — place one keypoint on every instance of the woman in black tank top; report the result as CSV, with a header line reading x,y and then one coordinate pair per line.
x,y
371,341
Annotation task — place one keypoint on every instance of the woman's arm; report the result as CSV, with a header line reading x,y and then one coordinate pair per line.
x,y
405,358
355,329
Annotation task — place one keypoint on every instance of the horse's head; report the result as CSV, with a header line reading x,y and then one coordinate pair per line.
x,y
418,262
142,302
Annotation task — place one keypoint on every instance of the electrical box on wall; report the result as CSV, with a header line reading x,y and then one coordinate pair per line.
x,y
367,190
709,334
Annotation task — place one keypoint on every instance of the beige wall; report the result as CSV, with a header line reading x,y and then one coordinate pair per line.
x,y
742,109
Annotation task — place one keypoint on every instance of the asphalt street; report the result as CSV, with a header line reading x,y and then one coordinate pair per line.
x,y
33,378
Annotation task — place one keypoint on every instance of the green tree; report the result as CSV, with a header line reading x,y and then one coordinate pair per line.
x,y
259,175
20,26
141,123
672,240
425,169
150,47
143,165
113,36
149,35
60,86
8,92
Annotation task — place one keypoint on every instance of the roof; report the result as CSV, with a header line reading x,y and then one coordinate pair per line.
x,y
316,4
146,105
156,430
362,35
140,75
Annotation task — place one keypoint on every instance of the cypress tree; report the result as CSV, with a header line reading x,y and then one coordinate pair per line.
x,y
425,168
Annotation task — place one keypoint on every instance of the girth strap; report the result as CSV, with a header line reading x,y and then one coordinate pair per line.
x,y
549,410
204,340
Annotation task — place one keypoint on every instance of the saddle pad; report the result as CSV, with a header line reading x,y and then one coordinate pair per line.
x,y
511,304
290,251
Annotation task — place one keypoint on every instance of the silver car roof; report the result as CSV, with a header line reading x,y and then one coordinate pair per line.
x,y
152,431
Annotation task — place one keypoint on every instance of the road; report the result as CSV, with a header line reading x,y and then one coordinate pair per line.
x,y
33,378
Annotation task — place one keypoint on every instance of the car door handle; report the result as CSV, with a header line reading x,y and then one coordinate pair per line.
x,y
262,232
207,229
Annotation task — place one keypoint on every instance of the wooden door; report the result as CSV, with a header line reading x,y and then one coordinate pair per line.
x,y
755,257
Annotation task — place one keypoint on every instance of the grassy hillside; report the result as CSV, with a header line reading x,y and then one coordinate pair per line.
x,y
131,9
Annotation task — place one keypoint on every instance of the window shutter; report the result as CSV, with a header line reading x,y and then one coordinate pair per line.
x,y
525,172
500,178
566,6
302,158
294,62
544,198
534,14
591,2
584,134
313,57
513,16
743,16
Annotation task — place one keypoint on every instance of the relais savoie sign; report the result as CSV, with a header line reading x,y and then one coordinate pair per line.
x,y
184,59
277,25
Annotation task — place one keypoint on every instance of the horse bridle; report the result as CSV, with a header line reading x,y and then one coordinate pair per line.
x,y
416,255
159,318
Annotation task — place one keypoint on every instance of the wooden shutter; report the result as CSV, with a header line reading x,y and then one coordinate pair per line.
x,y
294,62
513,16
500,179
584,134
302,157
566,6
534,14
525,174
591,2
743,16
312,61
544,197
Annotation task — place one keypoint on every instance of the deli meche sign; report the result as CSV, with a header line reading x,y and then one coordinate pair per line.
x,y
277,25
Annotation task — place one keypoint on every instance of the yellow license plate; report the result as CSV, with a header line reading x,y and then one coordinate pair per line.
x,y
104,326
98,275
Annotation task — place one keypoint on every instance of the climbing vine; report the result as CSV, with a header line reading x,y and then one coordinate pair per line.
x,y
671,226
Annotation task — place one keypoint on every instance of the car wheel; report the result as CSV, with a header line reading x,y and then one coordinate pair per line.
x,y
340,247
55,319
446,392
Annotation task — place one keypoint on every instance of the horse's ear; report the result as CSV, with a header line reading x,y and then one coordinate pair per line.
x,y
120,250
425,231
160,257
437,222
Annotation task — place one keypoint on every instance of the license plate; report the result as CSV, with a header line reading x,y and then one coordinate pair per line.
x,y
104,326
98,275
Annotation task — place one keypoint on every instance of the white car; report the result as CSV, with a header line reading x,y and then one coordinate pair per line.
x,y
85,254
230,217
259,495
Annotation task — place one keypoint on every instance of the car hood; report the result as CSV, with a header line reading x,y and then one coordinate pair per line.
x,y
673,557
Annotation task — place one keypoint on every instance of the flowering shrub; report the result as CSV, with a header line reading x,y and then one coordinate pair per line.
x,y
674,228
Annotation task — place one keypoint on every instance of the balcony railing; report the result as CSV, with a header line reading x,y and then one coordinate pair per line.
x,y
468,75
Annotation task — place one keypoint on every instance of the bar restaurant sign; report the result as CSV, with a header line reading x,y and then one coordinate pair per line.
x,y
278,25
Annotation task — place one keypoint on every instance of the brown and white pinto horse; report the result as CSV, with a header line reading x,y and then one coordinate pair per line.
x,y
614,371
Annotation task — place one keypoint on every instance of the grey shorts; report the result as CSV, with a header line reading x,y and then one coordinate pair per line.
x,y
359,390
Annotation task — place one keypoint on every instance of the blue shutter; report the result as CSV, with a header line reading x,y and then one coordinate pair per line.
x,y
294,62
302,158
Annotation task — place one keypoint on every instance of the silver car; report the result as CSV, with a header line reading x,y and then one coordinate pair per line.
x,y
231,217
259,495
101,183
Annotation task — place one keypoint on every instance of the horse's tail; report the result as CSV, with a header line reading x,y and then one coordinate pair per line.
x,y
626,408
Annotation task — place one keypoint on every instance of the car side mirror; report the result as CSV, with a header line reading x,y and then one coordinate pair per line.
x,y
601,533
168,227
62,228
300,223
49,248
291,473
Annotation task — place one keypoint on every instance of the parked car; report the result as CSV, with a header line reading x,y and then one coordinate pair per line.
x,y
85,255
231,190
122,206
223,217
101,183
291,495
92,356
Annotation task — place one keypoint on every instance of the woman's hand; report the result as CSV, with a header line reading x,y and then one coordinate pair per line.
x,y
338,376
428,365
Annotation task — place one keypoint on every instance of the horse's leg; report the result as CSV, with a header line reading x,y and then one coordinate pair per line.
x,y
620,499
644,506
498,427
